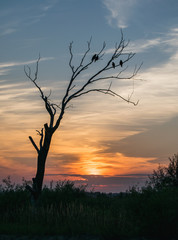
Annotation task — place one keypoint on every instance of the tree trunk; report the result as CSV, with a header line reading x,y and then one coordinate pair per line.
x,y
41,160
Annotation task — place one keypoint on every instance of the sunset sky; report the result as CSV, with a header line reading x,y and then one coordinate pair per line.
x,y
102,141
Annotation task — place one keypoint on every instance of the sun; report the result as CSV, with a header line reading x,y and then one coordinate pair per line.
x,y
93,171
93,168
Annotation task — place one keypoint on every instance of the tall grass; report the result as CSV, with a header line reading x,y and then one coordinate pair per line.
x,y
71,211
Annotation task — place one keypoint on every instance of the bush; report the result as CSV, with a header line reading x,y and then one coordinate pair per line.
x,y
165,176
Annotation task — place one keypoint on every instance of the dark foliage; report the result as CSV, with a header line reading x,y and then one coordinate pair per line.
x,y
71,211
165,176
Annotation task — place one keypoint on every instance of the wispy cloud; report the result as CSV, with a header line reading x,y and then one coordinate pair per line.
x,y
140,46
4,72
6,66
49,4
143,45
9,27
25,19
167,41
120,11
8,31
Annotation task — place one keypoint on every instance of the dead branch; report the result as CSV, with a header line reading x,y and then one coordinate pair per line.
x,y
34,144
109,92
41,139
50,107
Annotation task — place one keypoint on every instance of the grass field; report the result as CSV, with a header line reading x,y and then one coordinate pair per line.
x,y
70,212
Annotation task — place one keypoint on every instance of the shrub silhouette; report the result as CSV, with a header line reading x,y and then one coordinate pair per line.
x,y
165,176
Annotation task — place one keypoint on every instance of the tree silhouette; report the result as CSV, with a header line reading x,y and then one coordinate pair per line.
x,y
165,176
56,112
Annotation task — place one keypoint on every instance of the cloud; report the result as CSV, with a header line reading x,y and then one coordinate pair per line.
x,y
30,20
158,141
5,67
4,72
167,43
143,45
120,11
14,64
116,183
17,100
29,16
8,31
9,28
63,158
49,4
24,161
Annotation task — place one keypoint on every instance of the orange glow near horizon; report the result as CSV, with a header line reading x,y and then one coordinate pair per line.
x,y
71,157
89,161
81,147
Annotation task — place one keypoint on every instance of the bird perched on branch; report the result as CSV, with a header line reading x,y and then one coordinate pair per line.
x,y
113,65
121,63
95,58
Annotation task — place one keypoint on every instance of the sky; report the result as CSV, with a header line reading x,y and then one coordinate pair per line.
x,y
103,141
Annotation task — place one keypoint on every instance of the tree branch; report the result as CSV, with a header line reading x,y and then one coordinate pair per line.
x,y
71,58
49,106
41,139
109,92
34,144
28,74
84,56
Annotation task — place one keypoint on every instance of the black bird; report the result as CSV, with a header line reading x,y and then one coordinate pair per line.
x,y
113,65
121,63
94,58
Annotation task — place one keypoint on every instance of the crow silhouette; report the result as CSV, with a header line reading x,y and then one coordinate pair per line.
x,y
96,58
113,65
121,63
93,58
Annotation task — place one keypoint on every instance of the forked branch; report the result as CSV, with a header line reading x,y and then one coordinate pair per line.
x,y
50,107
34,144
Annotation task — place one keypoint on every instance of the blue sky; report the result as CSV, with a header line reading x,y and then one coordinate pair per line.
x,y
119,139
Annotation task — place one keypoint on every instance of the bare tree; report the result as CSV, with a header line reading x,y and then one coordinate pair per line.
x,y
116,60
